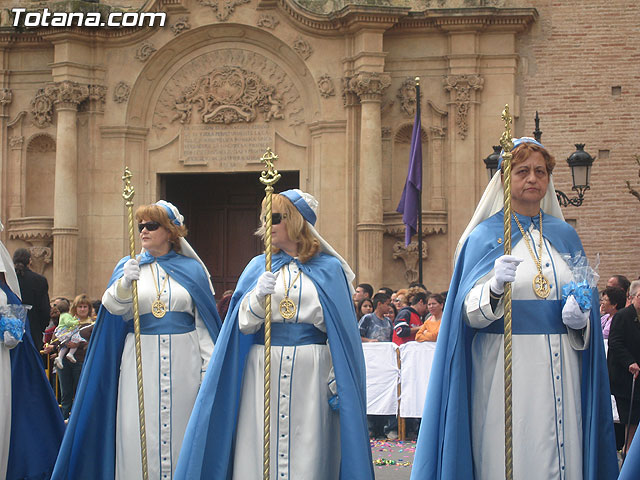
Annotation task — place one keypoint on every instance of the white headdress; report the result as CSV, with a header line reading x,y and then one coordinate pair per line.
x,y
6,266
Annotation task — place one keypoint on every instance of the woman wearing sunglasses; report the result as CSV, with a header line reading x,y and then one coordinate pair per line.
x,y
179,325
318,418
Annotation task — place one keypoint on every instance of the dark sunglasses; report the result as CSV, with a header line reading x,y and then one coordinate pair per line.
x,y
276,218
150,226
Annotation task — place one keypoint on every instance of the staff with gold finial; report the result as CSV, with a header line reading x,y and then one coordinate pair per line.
x,y
268,177
507,145
128,195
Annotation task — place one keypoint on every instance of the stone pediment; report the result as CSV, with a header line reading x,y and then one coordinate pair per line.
x,y
226,87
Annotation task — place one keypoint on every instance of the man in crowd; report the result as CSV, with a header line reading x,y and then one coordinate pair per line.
x,y
374,326
409,319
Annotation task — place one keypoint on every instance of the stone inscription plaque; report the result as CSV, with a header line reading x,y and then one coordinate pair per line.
x,y
224,147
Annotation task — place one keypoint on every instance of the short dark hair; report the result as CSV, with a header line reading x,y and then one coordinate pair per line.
x,y
379,298
623,282
63,304
418,284
415,299
386,290
21,259
367,288
616,296
437,297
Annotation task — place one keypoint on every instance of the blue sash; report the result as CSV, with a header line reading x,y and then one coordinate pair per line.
x,y
531,317
293,335
171,324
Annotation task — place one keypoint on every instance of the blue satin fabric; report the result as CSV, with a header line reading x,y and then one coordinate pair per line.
x,y
171,323
531,317
293,335
88,447
209,443
444,442
36,422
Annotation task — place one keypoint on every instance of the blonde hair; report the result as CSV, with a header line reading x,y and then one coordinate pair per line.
x,y
522,152
158,214
81,299
297,228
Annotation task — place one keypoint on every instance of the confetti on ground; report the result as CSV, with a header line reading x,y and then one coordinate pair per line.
x,y
392,453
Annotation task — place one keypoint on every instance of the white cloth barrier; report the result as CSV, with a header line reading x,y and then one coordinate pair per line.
x,y
416,359
383,376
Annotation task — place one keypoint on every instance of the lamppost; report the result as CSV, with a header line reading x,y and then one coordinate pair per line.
x,y
579,161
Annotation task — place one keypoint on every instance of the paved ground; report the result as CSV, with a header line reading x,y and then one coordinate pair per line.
x,y
392,459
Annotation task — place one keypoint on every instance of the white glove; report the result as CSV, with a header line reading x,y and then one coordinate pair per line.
x,y
573,316
266,285
131,272
9,340
504,271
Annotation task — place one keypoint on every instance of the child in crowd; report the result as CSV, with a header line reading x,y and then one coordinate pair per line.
x,y
67,331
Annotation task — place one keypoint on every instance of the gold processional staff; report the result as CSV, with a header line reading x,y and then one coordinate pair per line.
x,y
507,145
128,194
268,177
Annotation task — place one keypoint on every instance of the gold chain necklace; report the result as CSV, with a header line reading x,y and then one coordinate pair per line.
x,y
540,282
158,307
287,307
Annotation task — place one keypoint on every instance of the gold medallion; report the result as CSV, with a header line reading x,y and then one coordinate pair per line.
x,y
287,308
158,308
541,286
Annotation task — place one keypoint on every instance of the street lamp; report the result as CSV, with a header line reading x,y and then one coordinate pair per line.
x,y
579,161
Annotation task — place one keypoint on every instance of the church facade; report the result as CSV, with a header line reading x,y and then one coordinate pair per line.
x,y
190,107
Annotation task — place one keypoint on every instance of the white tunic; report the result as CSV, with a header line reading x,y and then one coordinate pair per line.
x,y
5,400
547,421
172,368
305,432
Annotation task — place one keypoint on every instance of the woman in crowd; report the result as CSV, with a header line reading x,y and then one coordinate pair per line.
x,y
429,330
612,299
401,299
69,374
364,307
318,407
562,422
31,426
624,360
178,324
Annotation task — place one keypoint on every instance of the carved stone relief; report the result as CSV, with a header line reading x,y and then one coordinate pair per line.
x,y
410,255
369,84
145,51
15,142
222,8
121,92
181,24
5,96
41,143
407,96
67,93
228,86
41,109
302,47
40,258
97,96
267,21
461,88
325,85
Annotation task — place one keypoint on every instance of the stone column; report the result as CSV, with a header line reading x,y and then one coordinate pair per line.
x,y
66,97
370,227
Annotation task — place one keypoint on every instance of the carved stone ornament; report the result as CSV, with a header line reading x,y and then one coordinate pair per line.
x,y
42,143
385,132
407,96
229,85
98,94
410,256
42,109
67,93
302,47
325,85
5,96
223,8
180,25
267,21
461,88
144,51
229,95
15,142
369,84
40,258
121,92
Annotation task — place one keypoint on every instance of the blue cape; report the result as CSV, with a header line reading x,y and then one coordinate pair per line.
x,y
89,445
36,422
631,467
208,445
444,443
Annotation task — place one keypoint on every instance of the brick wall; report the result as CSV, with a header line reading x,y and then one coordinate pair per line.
x,y
580,68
